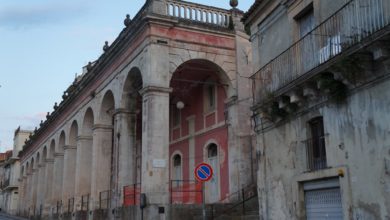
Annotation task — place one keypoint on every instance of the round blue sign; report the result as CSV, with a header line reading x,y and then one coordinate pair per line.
x,y
203,172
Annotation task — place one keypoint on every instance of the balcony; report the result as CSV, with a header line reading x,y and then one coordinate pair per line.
x,y
316,153
5,184
355,25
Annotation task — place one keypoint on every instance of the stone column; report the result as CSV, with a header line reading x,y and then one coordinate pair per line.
x,y
68,181
41,185
155,149
47,201
124,153
34,191
28,192
101,162
22,192
56,192
83,169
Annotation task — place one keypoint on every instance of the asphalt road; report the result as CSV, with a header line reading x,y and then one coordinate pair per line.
x,y
4,216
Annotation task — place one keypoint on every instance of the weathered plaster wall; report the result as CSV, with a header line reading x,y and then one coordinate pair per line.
x,y
356,141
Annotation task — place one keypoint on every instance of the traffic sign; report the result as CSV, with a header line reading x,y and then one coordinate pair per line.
x,y
203,172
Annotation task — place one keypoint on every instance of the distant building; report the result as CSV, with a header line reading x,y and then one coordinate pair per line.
x,y
321,107
10,173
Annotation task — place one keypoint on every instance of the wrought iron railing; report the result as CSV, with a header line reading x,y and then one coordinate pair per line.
x,y
350,25
104,199
197,12
85,202
70,207
316,153
58,207
237,202
131,194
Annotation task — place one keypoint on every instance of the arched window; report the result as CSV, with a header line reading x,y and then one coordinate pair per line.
x,y
212,186
212,150
177,170
176,160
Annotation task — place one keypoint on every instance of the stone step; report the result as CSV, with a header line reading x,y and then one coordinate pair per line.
x,y
227,217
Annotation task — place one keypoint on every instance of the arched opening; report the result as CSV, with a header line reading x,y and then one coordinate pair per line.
x,y
61,142
103,137
107,109
88,122
52,149
50,174
73,134
34,188
59,169
70,168
130,155
213,186
38,160
22,172
177,171
44,154
29,182
212,151
84,160
42,181
198,114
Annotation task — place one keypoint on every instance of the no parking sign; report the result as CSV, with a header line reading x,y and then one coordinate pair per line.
x,y
203,172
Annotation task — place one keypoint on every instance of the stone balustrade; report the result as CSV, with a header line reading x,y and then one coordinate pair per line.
x,y
198,13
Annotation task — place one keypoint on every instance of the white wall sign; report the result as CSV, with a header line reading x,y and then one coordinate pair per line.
x,y
159,163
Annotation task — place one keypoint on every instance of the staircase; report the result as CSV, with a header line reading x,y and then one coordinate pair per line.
x,y
245,207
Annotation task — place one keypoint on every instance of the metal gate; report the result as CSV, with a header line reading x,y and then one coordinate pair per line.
x,y
323,200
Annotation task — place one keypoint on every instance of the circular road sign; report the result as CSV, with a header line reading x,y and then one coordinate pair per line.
x,y
203,172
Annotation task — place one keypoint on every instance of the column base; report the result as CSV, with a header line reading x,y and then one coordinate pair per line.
x,y
157,212
99,214
81,215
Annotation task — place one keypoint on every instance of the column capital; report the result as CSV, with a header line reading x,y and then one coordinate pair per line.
x,y
102,126
154,89
69,147
84,137
125,111
49,160
58,154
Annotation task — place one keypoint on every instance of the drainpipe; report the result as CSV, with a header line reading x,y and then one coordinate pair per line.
x,y
265,171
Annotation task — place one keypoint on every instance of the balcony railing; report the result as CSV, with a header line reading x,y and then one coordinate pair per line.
x,y
104,199
6,184
58,207
350,25
316,153
85,202
131,194
186,192
197,12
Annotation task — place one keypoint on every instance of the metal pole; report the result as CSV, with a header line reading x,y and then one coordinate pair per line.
x,y
203,203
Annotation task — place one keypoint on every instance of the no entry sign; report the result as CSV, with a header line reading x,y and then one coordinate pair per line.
x,y
203,172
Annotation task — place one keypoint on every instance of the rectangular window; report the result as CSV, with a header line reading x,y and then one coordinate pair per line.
x,y
211,96
305,21
316,153
175,117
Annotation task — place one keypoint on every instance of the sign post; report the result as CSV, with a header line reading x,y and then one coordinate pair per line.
x,y
203,173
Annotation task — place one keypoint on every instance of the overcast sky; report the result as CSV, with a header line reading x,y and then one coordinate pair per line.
x,y
44,43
